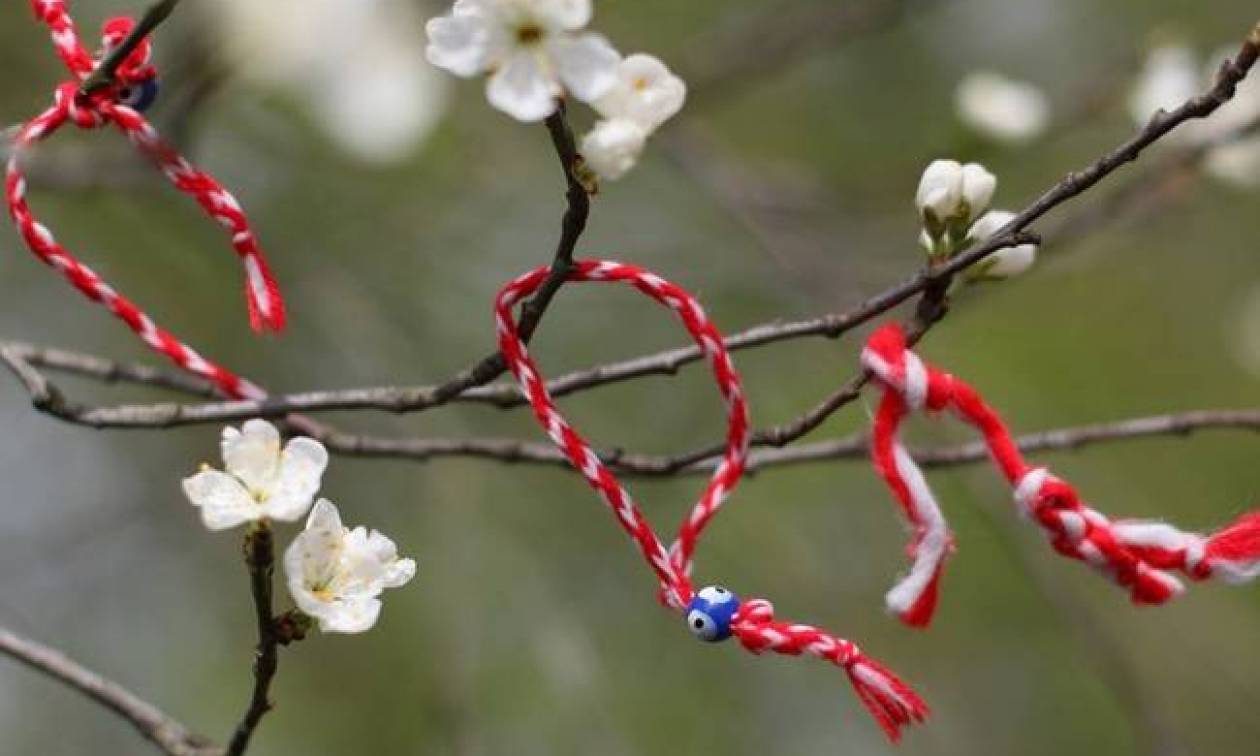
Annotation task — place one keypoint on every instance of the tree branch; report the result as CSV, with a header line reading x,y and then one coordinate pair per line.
x,y
513,451
572,225
155,725
260,560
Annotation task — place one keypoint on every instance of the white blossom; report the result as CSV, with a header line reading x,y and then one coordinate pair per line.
x,y
613,147
336,574
1001,108
351,64
260,479
531,49
646,92
953,194
1006,262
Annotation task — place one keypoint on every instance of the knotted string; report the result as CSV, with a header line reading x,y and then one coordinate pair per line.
x,y
108,106
1138,555
893,704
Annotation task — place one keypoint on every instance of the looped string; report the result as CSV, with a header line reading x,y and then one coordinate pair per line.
x,y
104,107
1137,554
892,703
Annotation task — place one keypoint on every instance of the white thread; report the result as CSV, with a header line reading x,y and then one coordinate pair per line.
x,y
916,380
1028,489
931,547
258,285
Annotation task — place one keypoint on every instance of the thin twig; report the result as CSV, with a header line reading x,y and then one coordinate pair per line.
x,y
572,225
260,560
103,74
158,727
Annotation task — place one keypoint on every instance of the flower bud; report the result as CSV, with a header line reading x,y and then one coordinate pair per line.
x,y
950,195
1004,263
613,147
978,186
940,191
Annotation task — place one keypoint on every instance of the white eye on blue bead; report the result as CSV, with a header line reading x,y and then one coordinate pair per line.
x,y
716,594
710,613
139,96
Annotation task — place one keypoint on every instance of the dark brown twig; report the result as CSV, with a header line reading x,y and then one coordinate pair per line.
x,y
260,561
513,451
571,227
155,725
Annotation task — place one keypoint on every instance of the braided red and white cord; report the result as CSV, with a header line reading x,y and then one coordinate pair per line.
x,y
1137,554
101,107
893,704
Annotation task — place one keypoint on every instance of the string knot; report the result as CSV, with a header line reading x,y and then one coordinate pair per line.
x,y
84,111
137,67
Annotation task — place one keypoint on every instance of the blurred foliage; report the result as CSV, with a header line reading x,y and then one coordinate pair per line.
x,y
532,627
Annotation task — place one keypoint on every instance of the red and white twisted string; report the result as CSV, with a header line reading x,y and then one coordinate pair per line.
x,y
892,703
1140,555
101,107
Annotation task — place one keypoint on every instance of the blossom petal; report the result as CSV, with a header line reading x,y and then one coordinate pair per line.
x,y
302,467
395,572
586,63
1010,262
567,15
522,88
349,616
399,572
613,147
312,559
252,453
222,499
462,43
647,92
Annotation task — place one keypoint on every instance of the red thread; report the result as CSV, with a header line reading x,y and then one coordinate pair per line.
x,y
266,307
893,704
1138,555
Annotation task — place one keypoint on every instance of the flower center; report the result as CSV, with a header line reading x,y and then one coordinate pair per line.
x,y
529,33
640,84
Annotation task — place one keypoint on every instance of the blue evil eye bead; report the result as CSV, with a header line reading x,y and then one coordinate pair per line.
x,y
710,613
140,95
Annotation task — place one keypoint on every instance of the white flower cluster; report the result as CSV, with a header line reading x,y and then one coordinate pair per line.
x,y
1173,74
953,202
335,574
536,52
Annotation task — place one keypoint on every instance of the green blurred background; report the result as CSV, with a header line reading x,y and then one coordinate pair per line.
x,y
531,628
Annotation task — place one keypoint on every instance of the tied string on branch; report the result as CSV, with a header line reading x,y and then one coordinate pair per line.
x,y
119,102
1140,555
712,613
